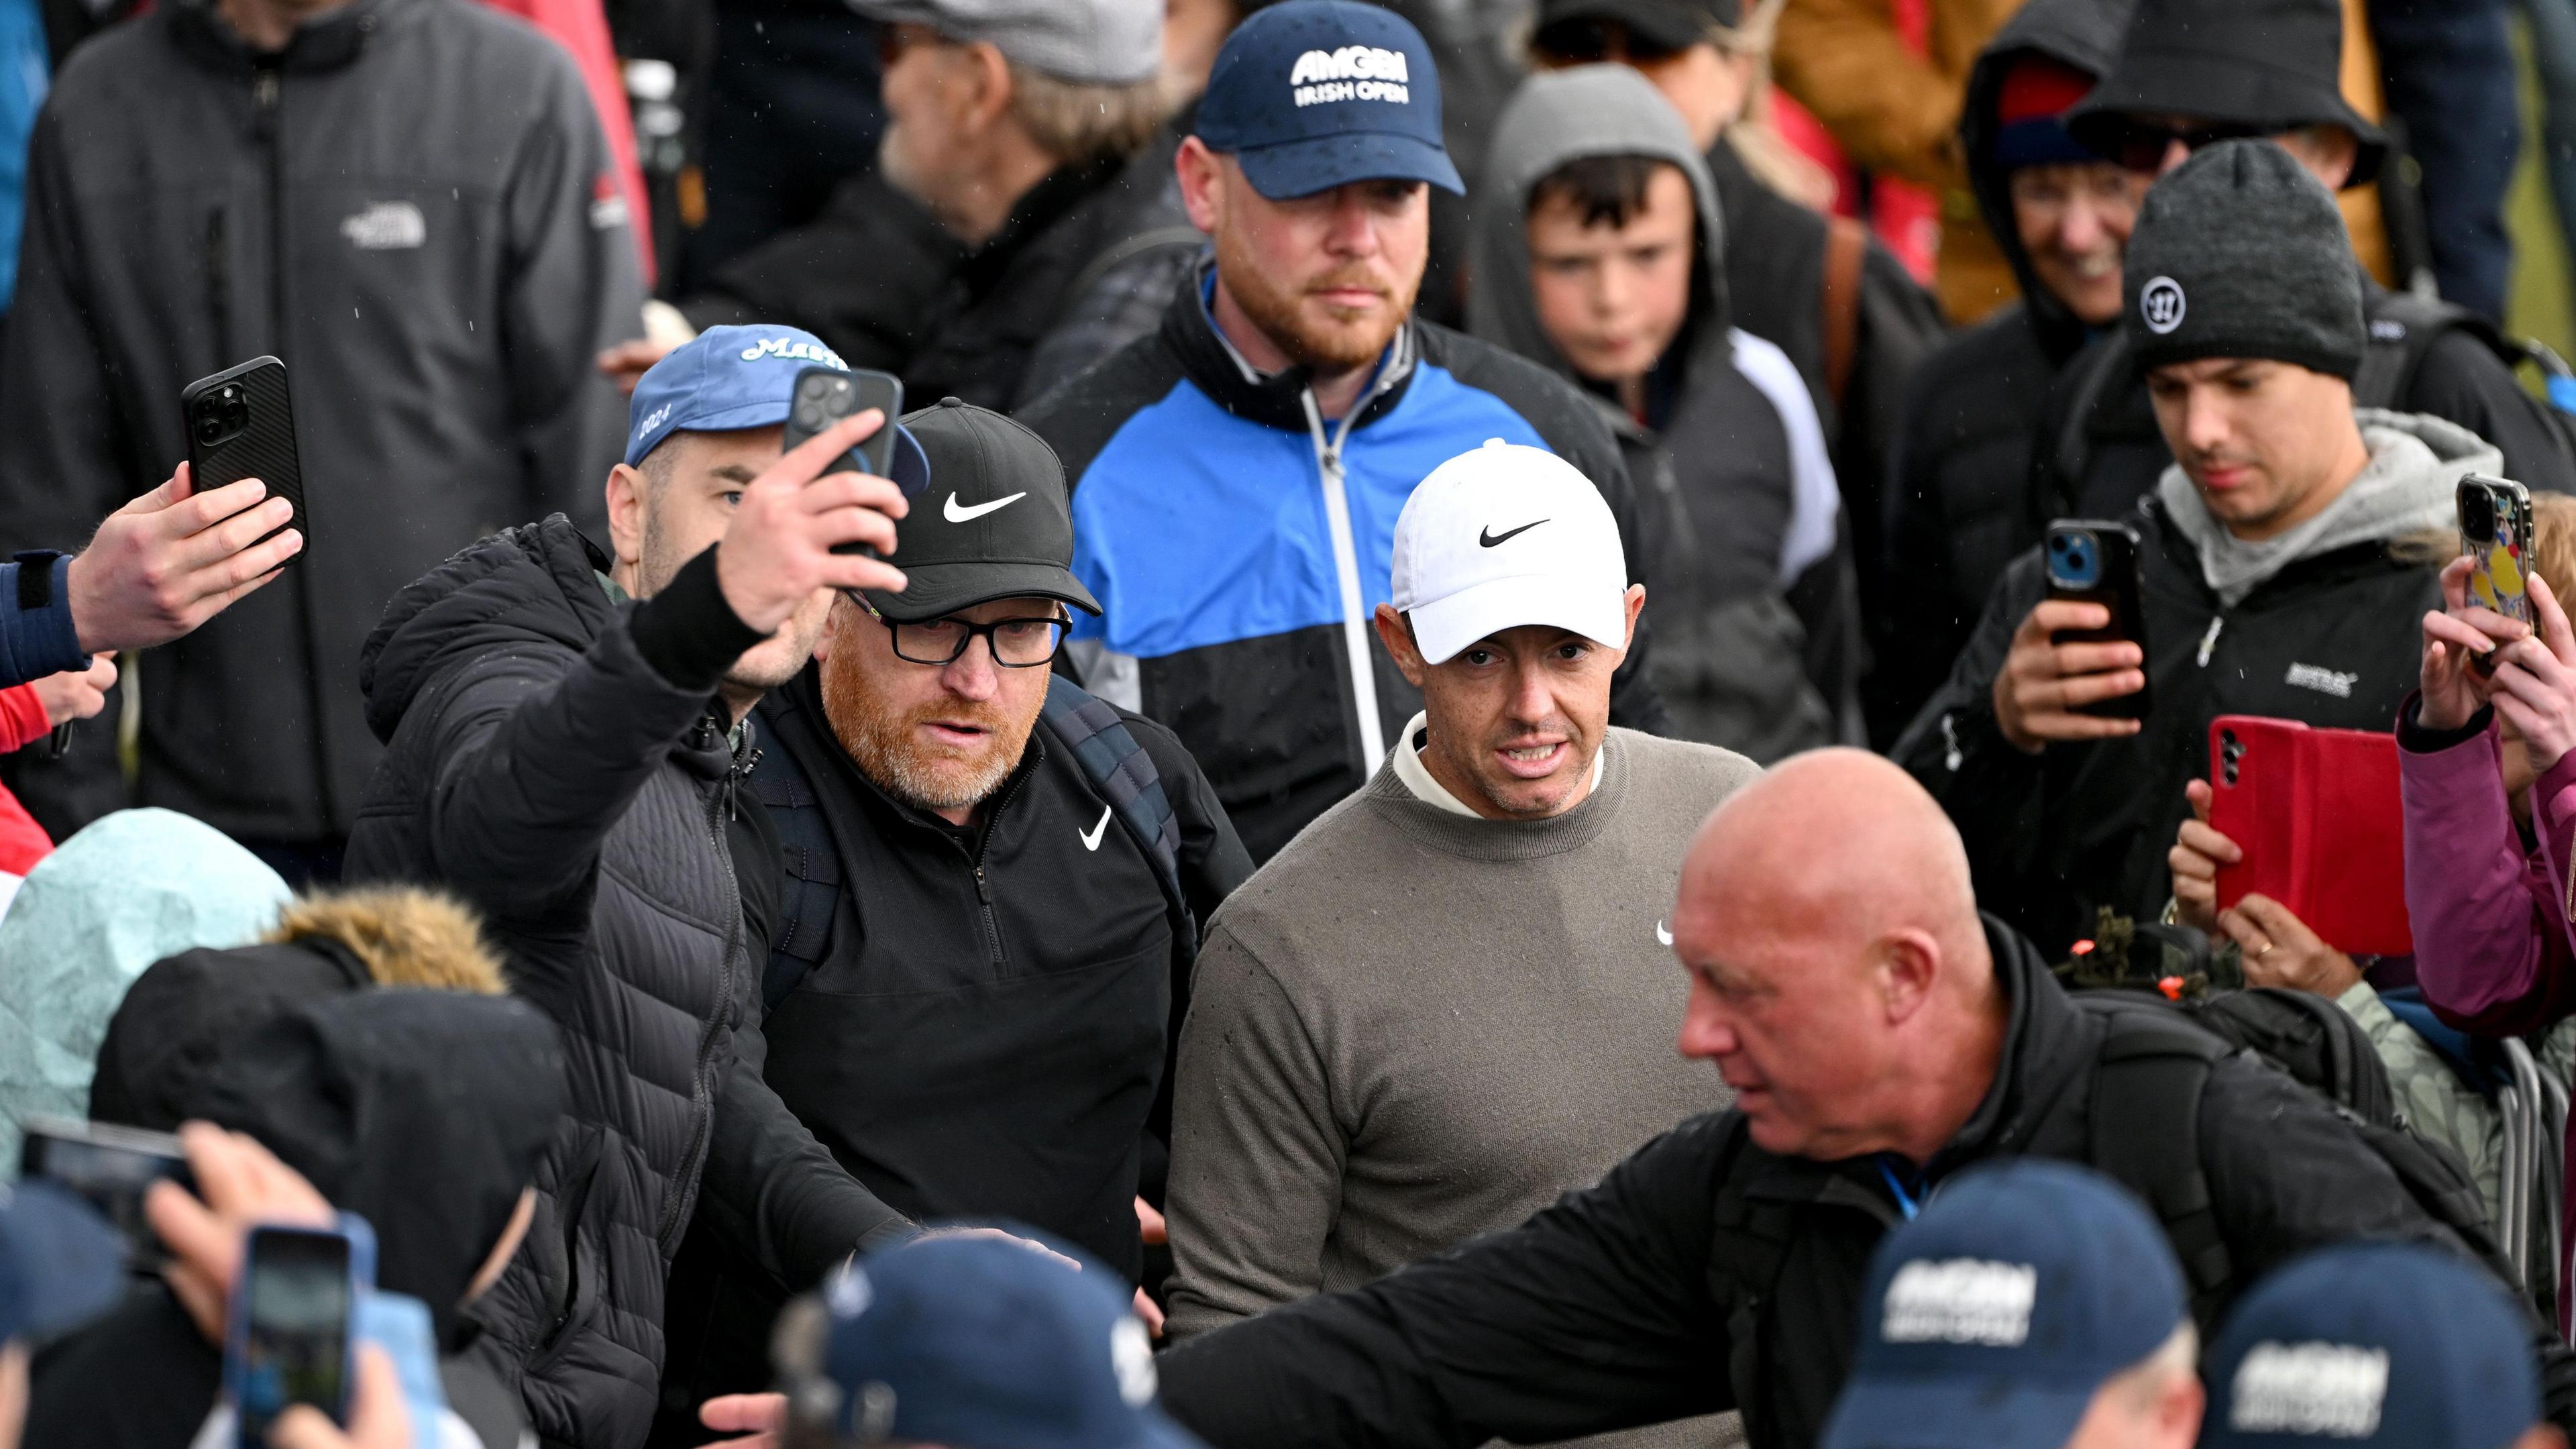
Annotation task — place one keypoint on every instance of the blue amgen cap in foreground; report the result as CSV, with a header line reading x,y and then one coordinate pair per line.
x,y
60,1262
2373,1346
1993,1317
1314,94
739,377
981,1343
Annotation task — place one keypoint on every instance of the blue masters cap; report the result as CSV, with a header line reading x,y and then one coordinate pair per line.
x,y
1993,1317
60,1262
2373,1343
738,377
1313,94
976,1343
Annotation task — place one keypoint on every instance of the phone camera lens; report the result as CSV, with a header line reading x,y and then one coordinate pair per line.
x,y
209,430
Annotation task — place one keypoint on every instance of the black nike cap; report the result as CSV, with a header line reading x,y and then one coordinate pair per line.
x,y
996,521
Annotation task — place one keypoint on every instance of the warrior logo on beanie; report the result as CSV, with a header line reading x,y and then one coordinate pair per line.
x,y
2256,243
2160,305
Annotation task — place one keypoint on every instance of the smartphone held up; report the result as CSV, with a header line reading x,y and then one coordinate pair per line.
x,y
2091,561
2495,532
241,425
290,1337
824,396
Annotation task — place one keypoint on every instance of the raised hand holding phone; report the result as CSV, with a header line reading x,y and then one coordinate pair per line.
x,y
779,547
2534,681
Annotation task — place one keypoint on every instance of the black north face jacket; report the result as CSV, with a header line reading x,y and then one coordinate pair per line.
x,y
405,206
1705,1274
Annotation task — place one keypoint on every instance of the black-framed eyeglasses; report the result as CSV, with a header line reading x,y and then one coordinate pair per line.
x,y
2141,145
1015,643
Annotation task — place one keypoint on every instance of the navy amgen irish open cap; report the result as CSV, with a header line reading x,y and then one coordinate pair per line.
x,y
1314,94
982,1343
739,377
1993,1317
2371,1344
60,1262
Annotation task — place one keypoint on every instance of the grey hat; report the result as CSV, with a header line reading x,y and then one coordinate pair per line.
x,y
2240,253
1090,42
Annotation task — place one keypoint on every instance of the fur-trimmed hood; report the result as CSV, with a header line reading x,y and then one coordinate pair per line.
x,y
172,1029
404,936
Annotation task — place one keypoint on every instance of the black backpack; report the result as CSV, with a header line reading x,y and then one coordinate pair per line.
x,y
1103,748
2156,1058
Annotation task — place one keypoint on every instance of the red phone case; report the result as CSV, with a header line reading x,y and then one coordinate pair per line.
x,y
2317,815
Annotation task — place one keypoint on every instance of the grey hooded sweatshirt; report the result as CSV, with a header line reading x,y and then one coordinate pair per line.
x,y
1745,539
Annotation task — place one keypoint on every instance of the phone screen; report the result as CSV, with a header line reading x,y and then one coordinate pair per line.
x,y
109,1168
295,1327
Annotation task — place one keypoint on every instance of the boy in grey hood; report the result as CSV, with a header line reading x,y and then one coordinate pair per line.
x,y
2268,586
1598,251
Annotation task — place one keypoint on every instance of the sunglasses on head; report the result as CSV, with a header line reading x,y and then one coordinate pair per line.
x,y
2143,145
1589,42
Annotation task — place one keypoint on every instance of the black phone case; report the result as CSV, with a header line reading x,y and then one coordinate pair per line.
x,y
265,450
2118,591
875,453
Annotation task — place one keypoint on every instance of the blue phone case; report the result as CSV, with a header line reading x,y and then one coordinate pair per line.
x,y
249,1426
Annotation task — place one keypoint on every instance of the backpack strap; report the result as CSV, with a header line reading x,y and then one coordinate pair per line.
x,y
1118,767
1838,297
810,888
2144,1126
2403,329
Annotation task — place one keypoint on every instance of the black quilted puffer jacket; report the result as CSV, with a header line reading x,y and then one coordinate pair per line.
x,y
543,767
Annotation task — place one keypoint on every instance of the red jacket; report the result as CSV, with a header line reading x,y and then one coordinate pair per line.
x,y
581,26
22,841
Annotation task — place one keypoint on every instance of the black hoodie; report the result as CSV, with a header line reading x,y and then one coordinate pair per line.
x,y
1956,513
423,1112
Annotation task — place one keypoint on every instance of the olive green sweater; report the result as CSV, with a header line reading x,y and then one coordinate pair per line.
x,y
1414,1026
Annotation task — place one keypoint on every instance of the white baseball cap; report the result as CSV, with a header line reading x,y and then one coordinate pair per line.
x,y
1504,536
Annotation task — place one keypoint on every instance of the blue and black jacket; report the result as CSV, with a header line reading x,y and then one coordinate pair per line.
x,y
1240,545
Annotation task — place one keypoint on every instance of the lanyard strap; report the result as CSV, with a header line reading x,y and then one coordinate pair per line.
x,y
1906,1202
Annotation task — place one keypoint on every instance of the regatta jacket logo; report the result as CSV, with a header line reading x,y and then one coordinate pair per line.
x,y
2333,1389
1352,73
1960,1300
387,226
794,350
2322,680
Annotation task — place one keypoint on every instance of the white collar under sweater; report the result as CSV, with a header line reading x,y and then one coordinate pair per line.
x,y
1417,776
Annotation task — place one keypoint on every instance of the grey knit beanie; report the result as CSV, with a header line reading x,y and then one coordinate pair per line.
x,y
2240,253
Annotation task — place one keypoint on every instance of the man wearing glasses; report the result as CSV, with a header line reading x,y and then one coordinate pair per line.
x,y
976,966
2195,72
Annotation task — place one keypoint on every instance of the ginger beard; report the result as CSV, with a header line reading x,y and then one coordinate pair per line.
x,y
885,735
1327,338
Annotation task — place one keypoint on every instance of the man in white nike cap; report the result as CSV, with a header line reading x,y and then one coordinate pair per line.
x,y
1449,999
